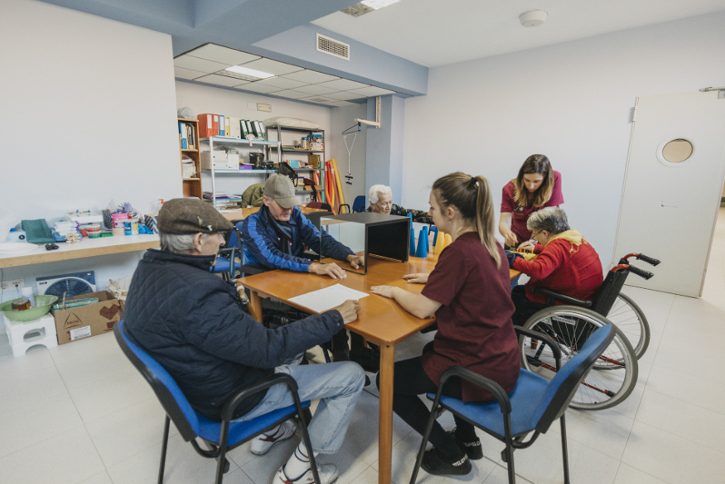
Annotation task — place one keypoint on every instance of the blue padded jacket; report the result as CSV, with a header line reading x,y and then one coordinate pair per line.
x,y
194,325
266,246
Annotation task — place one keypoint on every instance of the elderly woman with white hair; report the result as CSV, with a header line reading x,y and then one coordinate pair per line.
x,y
380,200
567,264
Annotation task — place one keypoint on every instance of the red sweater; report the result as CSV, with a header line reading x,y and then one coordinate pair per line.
x,y
564,268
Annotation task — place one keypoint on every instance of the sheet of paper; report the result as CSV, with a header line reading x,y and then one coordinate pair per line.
x,y
327,298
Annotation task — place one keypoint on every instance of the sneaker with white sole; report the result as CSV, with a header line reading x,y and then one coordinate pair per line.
x,y
263,442
328,474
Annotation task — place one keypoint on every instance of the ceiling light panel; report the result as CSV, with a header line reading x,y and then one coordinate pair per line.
x,y
221,80
196,64
377,4
320,100
246,73
182,73
344,85
273,67
224,55
310,77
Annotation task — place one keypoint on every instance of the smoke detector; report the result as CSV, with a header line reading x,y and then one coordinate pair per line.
x,y
533,18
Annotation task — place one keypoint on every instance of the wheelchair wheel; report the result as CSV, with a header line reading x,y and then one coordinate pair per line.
x,y
629,318
613,376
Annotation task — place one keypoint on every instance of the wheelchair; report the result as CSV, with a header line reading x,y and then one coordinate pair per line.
x,y
614,375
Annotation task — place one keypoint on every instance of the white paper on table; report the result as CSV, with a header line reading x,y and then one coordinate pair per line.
x,y
327,298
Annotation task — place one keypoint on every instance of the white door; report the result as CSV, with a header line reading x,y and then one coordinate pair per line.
x,y
672,188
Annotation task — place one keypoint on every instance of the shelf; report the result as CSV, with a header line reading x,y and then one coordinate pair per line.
x,y
300,130
296,150
192,179
239,141
240,172
189,150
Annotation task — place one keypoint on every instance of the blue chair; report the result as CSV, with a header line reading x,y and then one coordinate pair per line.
x,y
530,409
230,259
221,436
358,205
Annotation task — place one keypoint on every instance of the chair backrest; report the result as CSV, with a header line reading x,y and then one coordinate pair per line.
x,y
175,403
321,205
564,385
358,205
611,287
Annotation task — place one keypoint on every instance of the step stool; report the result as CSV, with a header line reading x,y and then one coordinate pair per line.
x,y
26,334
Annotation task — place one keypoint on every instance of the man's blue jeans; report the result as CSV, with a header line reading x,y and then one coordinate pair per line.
x,y
336,385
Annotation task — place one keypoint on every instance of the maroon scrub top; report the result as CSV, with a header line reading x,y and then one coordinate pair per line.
x,y
474,321
519,215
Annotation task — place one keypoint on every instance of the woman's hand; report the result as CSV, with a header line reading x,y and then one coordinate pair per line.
x,y
527,246
509,237
385,291
416,277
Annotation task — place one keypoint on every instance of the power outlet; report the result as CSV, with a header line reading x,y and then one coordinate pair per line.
x,y
12,284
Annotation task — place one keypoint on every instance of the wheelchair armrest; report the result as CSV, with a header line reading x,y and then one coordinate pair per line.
x,y
563,297
481,381
236,399
544,338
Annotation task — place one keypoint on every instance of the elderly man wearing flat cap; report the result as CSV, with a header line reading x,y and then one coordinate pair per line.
x,y
276,237
194,324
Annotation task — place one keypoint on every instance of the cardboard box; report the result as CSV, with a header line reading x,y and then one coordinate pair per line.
x,y
81,322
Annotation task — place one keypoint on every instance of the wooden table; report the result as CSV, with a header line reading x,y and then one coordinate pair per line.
x,y
82,249
380,320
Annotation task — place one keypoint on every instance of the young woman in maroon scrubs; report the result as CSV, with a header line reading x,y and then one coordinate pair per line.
x,y
536,186
469,294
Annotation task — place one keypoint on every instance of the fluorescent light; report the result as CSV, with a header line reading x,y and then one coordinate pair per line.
x,y
377,4
246,71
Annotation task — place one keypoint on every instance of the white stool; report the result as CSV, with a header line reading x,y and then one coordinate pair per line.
x,y
24,335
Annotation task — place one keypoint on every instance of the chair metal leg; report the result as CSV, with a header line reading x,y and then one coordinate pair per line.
x,y
510,463
163,449
434,412
222,451
308,444
564,451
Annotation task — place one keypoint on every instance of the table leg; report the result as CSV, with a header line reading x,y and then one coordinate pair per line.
x,y
385,438
255,306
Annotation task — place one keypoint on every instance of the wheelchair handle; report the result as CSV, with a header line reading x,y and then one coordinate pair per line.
x,y
641,273
648,260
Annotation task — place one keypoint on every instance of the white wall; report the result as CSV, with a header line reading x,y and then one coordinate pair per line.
x,y
88,116
570,101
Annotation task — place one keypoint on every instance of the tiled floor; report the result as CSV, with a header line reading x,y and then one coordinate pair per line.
x,y
80,413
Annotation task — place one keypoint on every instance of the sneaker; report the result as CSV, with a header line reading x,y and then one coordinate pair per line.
x,y
473,448
328,474
435,463
263,442
369,359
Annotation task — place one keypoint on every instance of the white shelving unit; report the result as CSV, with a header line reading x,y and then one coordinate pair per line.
x,y
263,146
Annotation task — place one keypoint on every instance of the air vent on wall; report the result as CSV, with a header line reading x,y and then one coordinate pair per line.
x,y
334,47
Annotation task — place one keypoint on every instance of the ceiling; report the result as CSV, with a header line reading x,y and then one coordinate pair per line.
x,y
437,32
206,64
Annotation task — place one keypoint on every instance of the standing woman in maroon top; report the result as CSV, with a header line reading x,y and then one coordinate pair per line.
x,y
469,294
536,186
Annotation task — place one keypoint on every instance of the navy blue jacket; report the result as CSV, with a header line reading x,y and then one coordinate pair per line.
x,y
193,323
265,246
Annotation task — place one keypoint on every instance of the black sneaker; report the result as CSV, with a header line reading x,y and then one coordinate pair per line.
x,y
473,448
368,359
435,463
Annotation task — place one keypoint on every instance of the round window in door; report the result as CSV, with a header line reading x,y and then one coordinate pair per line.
x,y
675,151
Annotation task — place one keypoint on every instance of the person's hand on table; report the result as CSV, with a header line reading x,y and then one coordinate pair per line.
x,y
417,277
385,291
348,310
333,270
509,237
356,260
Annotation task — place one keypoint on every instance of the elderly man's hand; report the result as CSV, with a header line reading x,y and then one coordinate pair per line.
x,y
348,310
333,270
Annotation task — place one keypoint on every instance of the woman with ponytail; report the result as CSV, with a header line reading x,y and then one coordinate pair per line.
x,y
469,294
